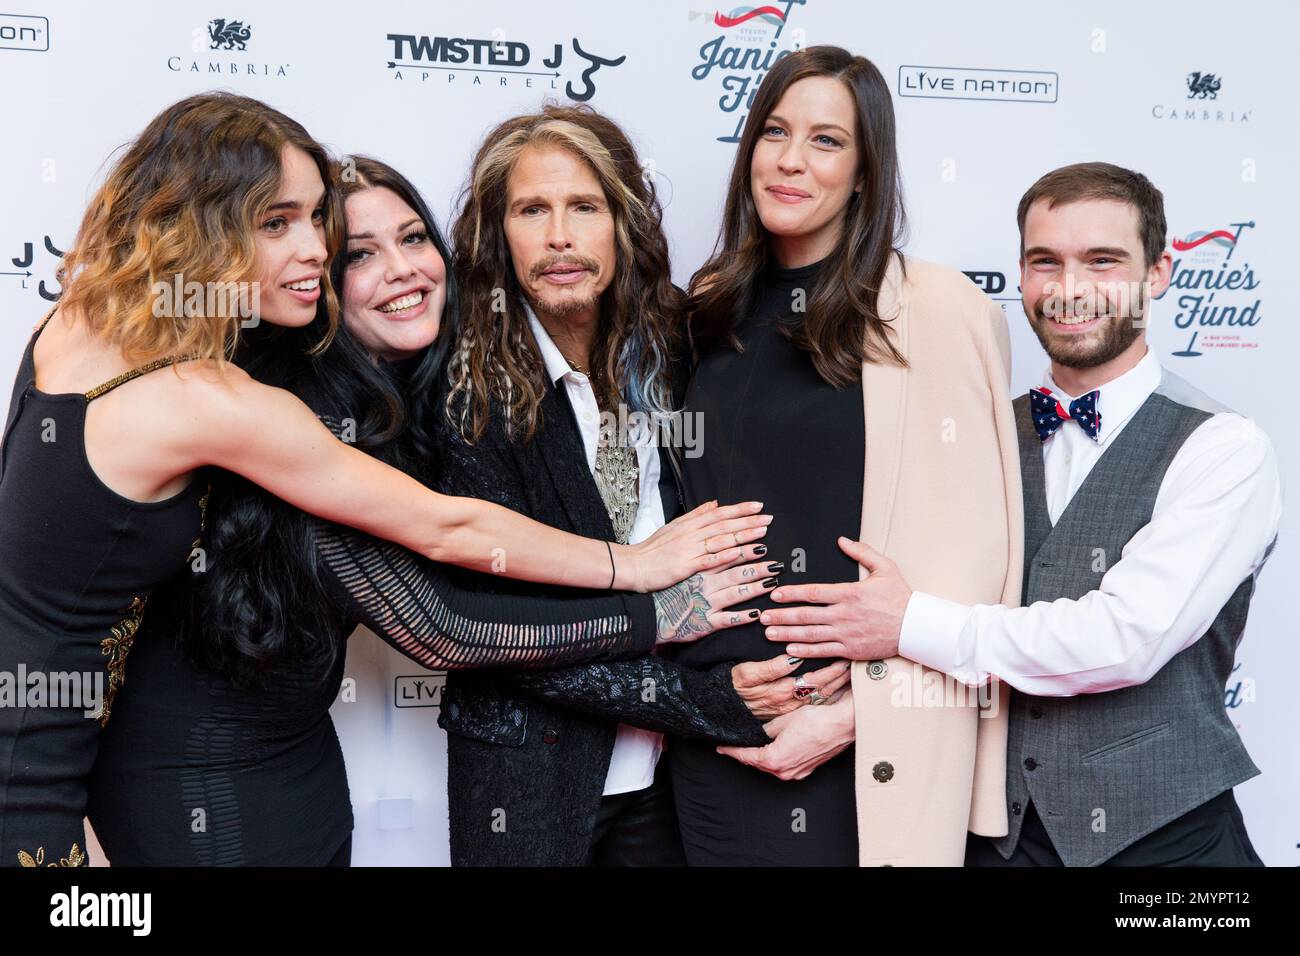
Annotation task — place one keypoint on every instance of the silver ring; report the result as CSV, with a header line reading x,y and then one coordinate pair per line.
x,y
802,689
816,698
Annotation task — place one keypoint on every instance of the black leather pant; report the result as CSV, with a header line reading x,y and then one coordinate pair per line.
x,y
638,828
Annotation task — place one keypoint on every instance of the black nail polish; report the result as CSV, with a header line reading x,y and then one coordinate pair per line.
x,y
753,615
761,550
776,567
770,583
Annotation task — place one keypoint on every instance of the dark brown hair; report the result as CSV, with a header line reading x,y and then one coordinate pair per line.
x,y
841,327
1102,181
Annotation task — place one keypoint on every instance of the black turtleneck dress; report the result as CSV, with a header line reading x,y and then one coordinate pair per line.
x,y
773,431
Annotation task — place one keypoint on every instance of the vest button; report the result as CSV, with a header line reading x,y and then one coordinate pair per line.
x,y
1030,763
1035,712
883,771
877,670
550,736
1015,808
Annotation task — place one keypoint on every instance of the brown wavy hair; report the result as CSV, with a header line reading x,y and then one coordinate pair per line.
x,y
186,198
841,327
641,313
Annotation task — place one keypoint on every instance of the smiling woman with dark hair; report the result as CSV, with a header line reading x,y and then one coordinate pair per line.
x,y
830,368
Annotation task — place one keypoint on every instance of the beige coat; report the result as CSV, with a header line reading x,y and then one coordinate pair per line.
x,y
941,497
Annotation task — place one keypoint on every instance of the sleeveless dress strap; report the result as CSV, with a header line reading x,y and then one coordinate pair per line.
x,y
125,377
45,321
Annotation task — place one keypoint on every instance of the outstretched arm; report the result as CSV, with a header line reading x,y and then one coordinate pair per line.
x,y
270,437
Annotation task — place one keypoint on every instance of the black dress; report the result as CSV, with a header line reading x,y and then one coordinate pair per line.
x,y
774,432
196,771
78,563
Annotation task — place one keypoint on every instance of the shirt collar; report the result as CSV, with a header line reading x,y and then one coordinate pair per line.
x,y
1120,397
557,366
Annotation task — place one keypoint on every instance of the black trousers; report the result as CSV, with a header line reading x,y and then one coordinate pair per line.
x,y
343,857
1213,834
638,828
735,815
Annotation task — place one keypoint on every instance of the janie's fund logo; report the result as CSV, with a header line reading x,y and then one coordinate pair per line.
x,y
1215,290
749,41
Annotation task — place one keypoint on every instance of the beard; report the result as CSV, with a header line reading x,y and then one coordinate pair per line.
x,y
564,305
560,302
1107,341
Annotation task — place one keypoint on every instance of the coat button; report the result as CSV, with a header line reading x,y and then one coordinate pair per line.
x,y
1015,808
550,736
1030,763
876,670
1035,712
883,771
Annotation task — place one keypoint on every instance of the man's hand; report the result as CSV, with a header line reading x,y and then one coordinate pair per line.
x,y
859,621
803,740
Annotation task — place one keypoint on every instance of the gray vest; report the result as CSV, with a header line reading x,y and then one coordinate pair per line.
x,y
1104,770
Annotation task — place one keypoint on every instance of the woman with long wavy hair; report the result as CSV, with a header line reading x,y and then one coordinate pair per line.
x,y
833,373
219,215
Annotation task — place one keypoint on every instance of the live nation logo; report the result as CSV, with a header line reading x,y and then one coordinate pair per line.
x,y
420,690
750,40
19,32
1215,290
229,39
971,83
498,61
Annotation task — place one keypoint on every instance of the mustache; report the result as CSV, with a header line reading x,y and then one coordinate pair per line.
x,y
550,262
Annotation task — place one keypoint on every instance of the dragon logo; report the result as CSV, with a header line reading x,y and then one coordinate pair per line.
x,y
228,36
1202,86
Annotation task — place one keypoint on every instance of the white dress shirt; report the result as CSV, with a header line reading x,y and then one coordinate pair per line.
x,y
1215,516
636,751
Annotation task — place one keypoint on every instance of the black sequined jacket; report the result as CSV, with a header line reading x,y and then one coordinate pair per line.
x,y
528,751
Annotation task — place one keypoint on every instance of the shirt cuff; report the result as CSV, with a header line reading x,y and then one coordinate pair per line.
x,y
931,634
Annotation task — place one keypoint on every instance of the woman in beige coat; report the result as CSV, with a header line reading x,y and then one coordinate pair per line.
x,y
855,357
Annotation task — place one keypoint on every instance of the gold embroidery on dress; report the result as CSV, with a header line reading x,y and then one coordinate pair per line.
x,y
116,648
74,858
203,521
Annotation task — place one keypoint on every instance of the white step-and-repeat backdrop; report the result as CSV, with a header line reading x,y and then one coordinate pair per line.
x,y
989,96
